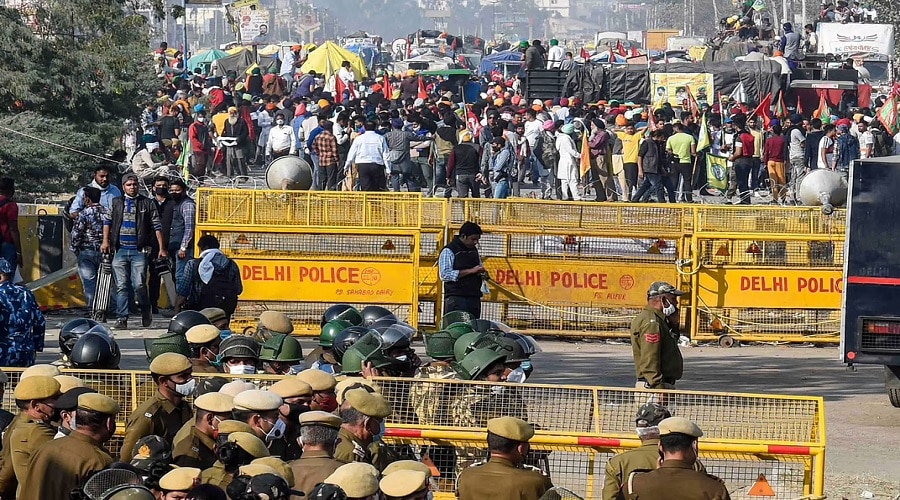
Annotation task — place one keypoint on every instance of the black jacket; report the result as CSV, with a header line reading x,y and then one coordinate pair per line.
x,y
146,219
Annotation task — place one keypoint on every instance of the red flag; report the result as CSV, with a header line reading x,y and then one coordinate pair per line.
x,y
823,109
612,56
339,88
351,94
584,54
387,88
799,107
621,48
691,104
473,123
408,48
780,109
763,110
422,93
634,52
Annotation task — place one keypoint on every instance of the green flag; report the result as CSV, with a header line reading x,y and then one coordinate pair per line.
x,y
887,115
717,171
703,141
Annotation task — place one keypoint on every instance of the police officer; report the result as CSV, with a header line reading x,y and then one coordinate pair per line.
x,y
239,449
362,414
319,433
70,460
204,342
181,480
35,398
21,321
405,485
645,457
654,339
260,410
219,318
503,476
428,400
239,355
358,480
281,355
281,468
272,323
475,404
460,269
676,479
164,413
323,384
195,444
152,455
296,395
323,356
66,406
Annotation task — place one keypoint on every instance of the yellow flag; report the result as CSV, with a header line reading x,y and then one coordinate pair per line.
x,y
585,154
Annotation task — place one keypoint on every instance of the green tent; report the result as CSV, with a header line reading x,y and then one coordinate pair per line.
x,y
203,60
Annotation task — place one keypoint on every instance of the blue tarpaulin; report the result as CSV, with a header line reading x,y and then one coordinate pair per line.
x,y
489,63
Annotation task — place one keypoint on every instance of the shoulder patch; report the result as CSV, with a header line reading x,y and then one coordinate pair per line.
x,y
651,338
148,415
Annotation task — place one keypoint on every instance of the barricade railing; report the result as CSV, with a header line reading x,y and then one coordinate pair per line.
x,y
580,427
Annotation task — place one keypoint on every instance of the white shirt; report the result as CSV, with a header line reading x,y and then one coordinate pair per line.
x,y
555,56
369,148
346,75
897,144
287,66
826,149
281,138
309,124
341,134
866,140
532,130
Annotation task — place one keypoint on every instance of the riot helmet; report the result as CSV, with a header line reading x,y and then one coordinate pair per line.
x,y
344,312
345,339
371,314
183,321
72,331
96,351
331,330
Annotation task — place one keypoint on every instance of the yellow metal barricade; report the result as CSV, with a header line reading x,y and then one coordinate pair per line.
x,y
433,239
580,427
301,251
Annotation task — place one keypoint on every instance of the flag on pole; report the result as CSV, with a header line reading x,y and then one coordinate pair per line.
x,y
612,56
634,52
620,48
387,88
763,110
339,88
823,112
584,54
585,154
738,95
423,94
799,107
717,171
781,111
691,104
887,114
703,141
183,160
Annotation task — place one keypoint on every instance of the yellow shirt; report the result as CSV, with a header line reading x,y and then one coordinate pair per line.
x,y
757,143
630,144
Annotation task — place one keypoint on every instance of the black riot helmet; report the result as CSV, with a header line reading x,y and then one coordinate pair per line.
x,y
95,350
72,331
371,314
185,320
345,339
344,312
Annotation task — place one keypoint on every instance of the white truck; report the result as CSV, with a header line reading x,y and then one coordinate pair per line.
x,y
872,43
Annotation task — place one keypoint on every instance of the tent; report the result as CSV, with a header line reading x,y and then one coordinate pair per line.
x,y
491,62
327,59
242,60
368,53
431,61
205,59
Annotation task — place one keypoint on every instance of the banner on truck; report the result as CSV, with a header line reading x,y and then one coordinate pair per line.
x,y
856,38
672,87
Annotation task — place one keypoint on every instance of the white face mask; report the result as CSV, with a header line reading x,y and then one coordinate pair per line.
x,y
187,388
277,431
241,369
279,122
201,119
669,309
517,376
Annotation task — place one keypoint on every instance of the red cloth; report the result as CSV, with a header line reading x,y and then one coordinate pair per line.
x,y
774,149
216,97
748,144
9,215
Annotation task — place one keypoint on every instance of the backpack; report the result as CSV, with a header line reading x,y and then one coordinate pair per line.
x,y
880,146
220,292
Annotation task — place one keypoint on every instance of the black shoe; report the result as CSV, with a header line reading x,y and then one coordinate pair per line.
x,y
154,309
121,324
146,317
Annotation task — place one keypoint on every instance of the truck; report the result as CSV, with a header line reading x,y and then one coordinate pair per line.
x,y
870,313
871,43
659,39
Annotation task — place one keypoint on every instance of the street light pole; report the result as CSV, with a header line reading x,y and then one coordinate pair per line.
x,y
184,21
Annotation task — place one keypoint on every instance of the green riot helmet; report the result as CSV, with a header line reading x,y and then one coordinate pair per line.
x,y
368,349
459,329
453,317
476,363
281,347
511,349
167,342
330,330
471,341
439,345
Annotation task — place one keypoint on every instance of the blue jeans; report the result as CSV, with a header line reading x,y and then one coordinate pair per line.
x,y
315,165
652,185
501,189
181,263
130,270
88,267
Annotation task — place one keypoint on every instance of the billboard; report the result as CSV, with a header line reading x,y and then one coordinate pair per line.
x,y
672,87
856,38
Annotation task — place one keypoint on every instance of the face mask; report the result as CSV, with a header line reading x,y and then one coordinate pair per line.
x,y
517,376
241,369
73,425
277,431
178,196
295,369
669,309
296,409
279,122
187,388
201,119
402,359
328,403
224,334
162,192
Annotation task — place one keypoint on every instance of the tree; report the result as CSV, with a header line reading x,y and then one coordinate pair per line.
x,y
71,75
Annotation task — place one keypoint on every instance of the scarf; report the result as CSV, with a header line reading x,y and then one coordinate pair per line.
x,y
206,268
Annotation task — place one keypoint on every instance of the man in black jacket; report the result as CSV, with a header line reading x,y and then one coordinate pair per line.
x,y
134,226
459,267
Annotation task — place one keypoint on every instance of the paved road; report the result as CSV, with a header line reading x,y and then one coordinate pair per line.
x,y
863,430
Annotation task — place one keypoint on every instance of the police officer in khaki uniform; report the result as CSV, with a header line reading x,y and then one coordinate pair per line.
x,y
194,445
323,384
281,468
319,432
36,398
240,449
281,355
503,477
676,479
643,458
181,480
296,395
654,339
164,413
204,341
362,414
358,480
70,460
260,410
405,485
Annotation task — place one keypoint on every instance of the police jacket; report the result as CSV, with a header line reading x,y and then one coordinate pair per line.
x,y
463,258
146,219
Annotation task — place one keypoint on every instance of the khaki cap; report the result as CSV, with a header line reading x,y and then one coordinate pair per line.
x,y
215,402
354,483
276,322
249,443
291,387
367,403
180,479
281,467
170,363
511,428
320,418
351,383
257,400
67,382
202,334
213,314
404,482
44,370
317,379
98,402
252,469
679,425
37,387
232,426
236,387
400,465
